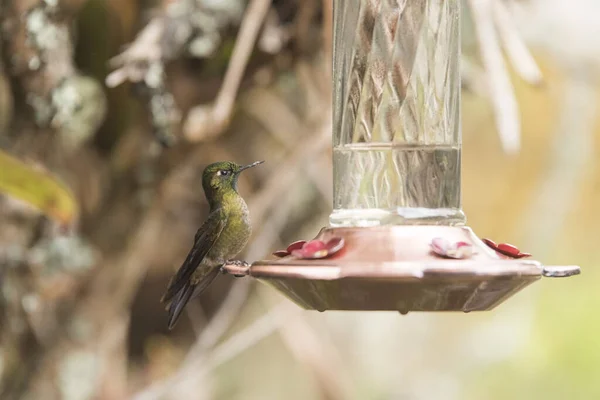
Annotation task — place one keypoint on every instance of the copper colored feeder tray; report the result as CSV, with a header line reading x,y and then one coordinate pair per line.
x,y
393,268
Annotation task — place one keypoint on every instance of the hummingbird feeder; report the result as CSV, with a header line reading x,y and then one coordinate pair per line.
x,y
396,238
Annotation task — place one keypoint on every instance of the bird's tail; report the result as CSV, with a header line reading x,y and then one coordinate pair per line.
x,y
178,303
188,291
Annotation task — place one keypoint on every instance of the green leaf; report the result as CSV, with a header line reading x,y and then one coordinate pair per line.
x,y
38,188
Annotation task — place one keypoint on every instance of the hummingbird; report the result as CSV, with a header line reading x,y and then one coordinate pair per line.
x,y
220,238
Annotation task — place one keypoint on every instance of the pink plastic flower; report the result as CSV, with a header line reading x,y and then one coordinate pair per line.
x,y
457,250
506,249
312,249
294,246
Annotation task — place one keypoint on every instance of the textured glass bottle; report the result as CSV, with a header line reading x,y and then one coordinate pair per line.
x,y
396,118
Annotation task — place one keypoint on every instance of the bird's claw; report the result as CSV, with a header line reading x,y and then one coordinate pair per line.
x,y
238,263
239,268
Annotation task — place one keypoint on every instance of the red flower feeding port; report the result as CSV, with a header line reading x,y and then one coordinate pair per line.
x,y
397,239
313,249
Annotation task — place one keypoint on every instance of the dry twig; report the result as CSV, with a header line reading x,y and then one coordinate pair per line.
x,y
319,355
517,51
291,137
197,367
501,90
203,121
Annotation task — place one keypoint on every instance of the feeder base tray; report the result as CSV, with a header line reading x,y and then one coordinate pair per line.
x,y
394,268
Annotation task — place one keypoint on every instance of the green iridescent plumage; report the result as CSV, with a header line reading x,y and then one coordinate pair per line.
x,y
222,236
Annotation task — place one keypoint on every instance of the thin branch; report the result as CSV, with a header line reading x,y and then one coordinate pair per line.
x,y
291,138
203,121
197,367
310,147
272,226
286,171
516,49
133,62
317,353
242,341
196,316
307,9
502,93
226,316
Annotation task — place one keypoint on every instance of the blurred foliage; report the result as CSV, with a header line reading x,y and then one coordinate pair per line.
x,y
37,187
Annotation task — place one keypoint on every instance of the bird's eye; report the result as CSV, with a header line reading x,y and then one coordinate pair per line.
x,y
224,172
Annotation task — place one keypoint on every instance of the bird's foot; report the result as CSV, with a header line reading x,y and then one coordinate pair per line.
x,y
238,263
236,268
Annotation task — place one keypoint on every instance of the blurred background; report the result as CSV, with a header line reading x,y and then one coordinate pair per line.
x,y
109,111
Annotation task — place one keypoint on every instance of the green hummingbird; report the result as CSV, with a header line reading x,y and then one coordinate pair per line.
x,y
220,238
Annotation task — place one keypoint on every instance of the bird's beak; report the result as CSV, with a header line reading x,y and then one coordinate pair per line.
x,y
254,164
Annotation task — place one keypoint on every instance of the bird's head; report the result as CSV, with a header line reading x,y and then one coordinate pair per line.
x,y
221,177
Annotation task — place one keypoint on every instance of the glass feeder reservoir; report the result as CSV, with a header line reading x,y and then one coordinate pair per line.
x,y
396,238
396,131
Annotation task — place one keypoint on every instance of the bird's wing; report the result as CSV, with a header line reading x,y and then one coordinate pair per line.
x,y
205,238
